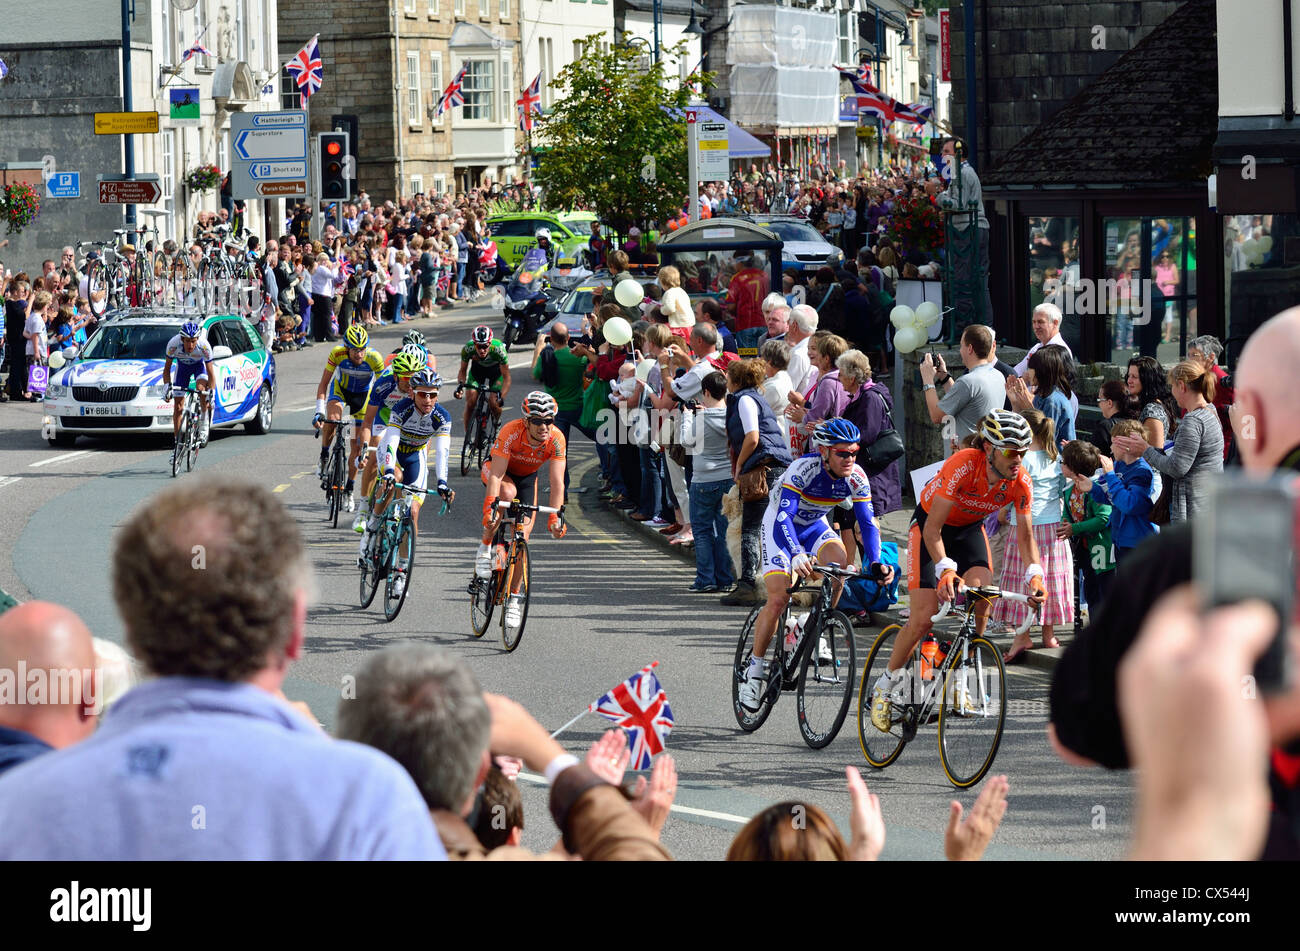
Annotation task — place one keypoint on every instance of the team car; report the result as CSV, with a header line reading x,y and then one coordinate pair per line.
x,y
115,384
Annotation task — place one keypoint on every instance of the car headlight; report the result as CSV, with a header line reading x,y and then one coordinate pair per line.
x,y
155,392
56,391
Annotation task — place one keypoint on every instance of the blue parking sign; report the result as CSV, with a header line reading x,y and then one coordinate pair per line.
x,y
63,185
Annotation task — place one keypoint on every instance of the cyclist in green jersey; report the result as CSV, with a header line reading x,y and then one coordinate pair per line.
x,y
488,362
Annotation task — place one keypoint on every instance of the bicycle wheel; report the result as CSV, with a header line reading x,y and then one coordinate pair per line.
x,y
338,477
192,440
467,447
826,680
879,748
482,602
972,713
369,579
401,561
97,282
178,450
517,569
748,720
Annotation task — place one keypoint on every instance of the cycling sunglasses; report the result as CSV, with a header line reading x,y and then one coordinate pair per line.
x,y
540,420
1013,453
846,453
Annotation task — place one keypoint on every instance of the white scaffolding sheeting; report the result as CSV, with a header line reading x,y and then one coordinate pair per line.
x,y
780,36
763,96
780,72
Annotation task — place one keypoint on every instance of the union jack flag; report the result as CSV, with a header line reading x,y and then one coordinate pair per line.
x,y
453,95
528,103
924,113
864,72
870,99
640,706
307,69
195,50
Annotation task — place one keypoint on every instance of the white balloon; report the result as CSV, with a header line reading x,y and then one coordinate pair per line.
x,y
901,316
617,330
920,323
1255,258
928,312
56,360
908,339
1249,246
1266,244
628,293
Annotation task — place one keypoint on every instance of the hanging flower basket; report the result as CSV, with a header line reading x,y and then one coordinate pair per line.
x,y
203,178
917,225
19,206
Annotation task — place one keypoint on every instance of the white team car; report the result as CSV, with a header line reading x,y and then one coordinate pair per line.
x,y
114,385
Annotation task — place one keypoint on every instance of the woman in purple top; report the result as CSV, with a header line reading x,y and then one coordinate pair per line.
x,y
826,399
868,409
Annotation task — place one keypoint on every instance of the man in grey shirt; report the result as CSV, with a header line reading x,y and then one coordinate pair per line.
x,y
972,243
981,389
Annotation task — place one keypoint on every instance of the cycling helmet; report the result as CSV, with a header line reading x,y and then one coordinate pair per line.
x,y
404,364
542,233
425,380
357,337
415,337
482,334
190,329
1005,429
416,352
835,430
538,403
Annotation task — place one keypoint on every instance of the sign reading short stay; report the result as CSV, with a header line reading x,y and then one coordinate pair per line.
x,y
63,185
268,154
714,151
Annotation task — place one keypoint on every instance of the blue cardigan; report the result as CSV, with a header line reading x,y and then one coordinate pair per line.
x,y
1128,490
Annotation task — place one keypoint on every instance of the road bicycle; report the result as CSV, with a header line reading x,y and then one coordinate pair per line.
x,y
391,554
193,432
511,568
963,678
481,432
334,476
817,661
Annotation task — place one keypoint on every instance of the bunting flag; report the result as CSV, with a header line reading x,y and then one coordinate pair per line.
x,y
453,95
307,69
195,50
530,102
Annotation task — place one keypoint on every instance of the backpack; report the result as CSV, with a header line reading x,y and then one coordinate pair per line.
x,y
861,594
550,368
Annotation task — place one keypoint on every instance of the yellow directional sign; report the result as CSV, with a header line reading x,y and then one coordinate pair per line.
x,y
126,123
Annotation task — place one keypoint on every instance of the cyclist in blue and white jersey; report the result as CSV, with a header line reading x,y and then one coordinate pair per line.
x,y
797,536
412,424
387,390
192,355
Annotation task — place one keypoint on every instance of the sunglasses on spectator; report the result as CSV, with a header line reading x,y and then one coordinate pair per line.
x,y
846,453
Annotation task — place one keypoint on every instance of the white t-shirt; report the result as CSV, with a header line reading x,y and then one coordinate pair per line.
x,y
800,366
748,410
36,325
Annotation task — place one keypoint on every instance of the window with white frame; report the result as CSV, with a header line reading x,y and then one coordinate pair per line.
x,y
460,8
846,37
577,49
290,97
434,8
166,48
485,8
503,10
417,184
435,81
223,151
168,177
440,184
508,95
413,87
479,89
241,30
409,7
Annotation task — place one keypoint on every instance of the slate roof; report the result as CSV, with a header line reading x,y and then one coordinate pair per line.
x,y
1150,119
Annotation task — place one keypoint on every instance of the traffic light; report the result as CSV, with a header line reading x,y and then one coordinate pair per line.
x,y
332,160
352,126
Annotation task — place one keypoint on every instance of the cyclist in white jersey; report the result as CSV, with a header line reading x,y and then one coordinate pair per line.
x,y
192,355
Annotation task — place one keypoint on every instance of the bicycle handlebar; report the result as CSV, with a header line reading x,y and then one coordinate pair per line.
x,y
546,509
946,609
833,570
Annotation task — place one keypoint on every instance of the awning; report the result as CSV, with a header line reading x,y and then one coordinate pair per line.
x,y
740,144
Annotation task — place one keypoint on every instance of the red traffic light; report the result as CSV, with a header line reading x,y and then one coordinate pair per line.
x,y
333,148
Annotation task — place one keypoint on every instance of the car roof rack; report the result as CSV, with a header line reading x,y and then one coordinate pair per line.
x,y
161,313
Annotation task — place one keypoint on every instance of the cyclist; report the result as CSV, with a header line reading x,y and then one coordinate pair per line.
x,y
414,339
349,371
488,362
946,539
522,447
412,423
193,357
797,536
390,388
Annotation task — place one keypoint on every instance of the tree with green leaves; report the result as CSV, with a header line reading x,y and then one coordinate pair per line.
x,y
610,142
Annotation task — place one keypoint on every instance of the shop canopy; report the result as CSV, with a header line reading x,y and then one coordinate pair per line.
x,y
740,144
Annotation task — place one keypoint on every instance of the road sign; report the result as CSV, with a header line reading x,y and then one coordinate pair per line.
x,y
714,150
129,191
276,189
63,185
268,154
126,123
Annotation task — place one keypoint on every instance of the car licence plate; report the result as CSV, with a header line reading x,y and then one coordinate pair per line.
x,y
103,411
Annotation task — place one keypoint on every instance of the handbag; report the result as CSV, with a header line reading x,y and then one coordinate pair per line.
x,y
887,447
753,484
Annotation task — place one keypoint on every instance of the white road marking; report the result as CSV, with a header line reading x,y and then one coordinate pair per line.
x,y
299,409
63,458
685,810
9,480
527,364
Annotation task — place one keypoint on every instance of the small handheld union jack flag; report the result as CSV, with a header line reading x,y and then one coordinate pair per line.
x,y
307,69
195,50
453,95
640,706
528,103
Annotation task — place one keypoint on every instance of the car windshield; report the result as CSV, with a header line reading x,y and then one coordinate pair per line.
x,y
578,302
794,231
129,342
578,226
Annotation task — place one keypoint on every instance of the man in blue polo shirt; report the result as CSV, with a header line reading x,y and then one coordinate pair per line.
x,y
207,760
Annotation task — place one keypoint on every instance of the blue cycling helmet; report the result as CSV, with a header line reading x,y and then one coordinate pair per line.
x,y
835,430
190,329
425,380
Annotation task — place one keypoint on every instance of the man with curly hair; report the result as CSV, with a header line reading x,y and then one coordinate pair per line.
x,y
206,759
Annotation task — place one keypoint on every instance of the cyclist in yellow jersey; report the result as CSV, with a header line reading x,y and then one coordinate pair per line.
x,y
349,370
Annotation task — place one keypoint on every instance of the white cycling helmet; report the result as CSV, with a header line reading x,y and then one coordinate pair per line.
x,y
542,233
538,403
